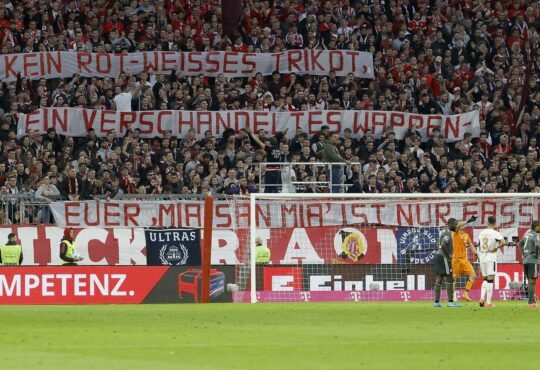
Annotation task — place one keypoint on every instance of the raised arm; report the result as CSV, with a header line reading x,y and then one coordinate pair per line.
x,y
256,138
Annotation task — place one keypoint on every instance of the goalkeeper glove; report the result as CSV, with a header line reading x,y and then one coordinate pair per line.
x,y
472,219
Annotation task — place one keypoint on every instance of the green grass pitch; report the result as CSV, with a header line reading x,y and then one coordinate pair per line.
x,y
270,336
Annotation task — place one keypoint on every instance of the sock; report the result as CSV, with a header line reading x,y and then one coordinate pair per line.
x,y
450,291
532,290
469,285
437,292
483,291
489,291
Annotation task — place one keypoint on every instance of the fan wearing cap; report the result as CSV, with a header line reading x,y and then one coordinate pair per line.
x,y
11,253
68,250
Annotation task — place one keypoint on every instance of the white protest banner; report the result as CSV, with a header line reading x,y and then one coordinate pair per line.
x,y
189,213
77,121
210,64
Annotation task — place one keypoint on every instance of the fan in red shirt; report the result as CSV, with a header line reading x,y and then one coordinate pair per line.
x,y
239,45
417,24
504,146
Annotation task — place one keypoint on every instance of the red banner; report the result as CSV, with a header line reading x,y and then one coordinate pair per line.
x,y
314,245
83,285
60,64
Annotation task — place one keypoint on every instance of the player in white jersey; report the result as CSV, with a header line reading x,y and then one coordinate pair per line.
x,y
489,242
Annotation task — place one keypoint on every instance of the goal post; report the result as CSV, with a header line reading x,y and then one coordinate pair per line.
x,y
365,247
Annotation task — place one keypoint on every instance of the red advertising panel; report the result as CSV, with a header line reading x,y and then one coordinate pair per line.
x,y
77,284
283,279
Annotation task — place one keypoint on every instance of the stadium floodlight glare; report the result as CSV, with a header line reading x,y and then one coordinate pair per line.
x,y
402,228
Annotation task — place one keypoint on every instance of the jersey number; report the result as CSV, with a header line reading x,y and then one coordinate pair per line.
x,y
484,245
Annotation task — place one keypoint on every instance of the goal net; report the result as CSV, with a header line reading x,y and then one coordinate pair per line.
x,y
366,247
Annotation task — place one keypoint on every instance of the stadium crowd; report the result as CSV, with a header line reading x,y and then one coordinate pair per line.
x,y
437,56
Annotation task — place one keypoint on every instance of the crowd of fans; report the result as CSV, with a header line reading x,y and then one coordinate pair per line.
x,y
430,56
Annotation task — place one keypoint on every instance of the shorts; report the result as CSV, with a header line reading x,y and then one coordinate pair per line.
x,y
460,267
531,270
488,268
441,265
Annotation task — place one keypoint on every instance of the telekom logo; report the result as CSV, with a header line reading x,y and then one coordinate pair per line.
x,y
405,296
305,296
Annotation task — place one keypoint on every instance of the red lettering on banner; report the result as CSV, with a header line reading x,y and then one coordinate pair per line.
x,y
126,119
378,119
68,206
121,57
210,61
416,122
222,121
488,209
358,210
470,209
232,61
150,65
131,212
167,210
58,122
146,120
262,213
423,209
525,211
29,121
9,62
259,121
451,126
223,212
246,60
288,210
293,57
334,122
194,58
397,119
241,119
29,61
166,63
430,127
306,60
378,207
106,118
193,210
314,215
359,122
508,214
441,211
160,116
204,122
314,120
277,57
110,216
89,122
86,213
103,68
51,61
296,116
404,216
353,55
182,122
333,65
315,65
83,60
